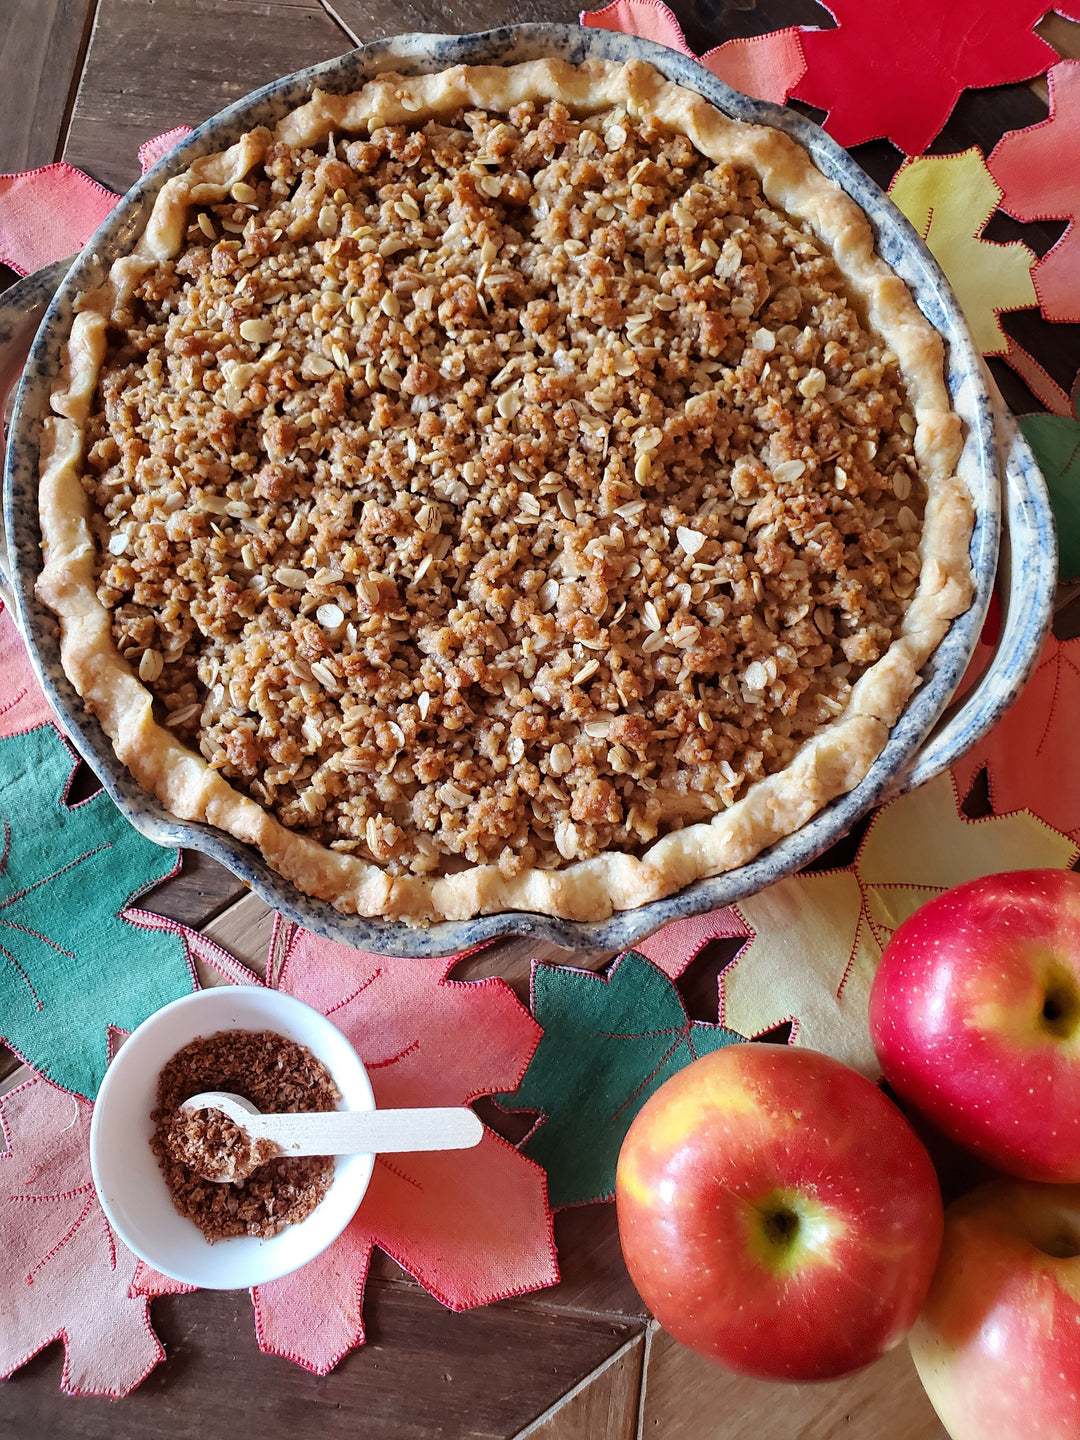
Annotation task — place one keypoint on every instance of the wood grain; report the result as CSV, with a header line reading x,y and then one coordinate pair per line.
x,y
688,1398
1063,35
244,930
12,1071
593,1277
604,1403
177,62
484,1375
367,20
201,890
41,43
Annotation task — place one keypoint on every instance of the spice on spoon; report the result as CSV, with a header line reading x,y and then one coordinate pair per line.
x,y
274,1074
215,1147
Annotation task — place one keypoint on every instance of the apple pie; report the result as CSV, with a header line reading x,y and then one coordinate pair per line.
x,y
509,488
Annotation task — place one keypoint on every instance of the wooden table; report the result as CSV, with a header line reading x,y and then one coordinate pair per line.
x,y
88,81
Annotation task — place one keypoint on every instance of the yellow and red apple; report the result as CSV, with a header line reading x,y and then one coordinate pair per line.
x,y
997,1345
777,1213
975,1017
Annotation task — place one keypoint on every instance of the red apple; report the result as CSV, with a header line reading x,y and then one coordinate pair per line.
x,y
777,1213
997,1345
975,1017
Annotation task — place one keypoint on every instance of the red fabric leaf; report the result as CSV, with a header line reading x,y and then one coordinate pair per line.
x,y
1038,170
1025,754
648,19
22,701
769,67
63,1273
47,214
672,948
151,151
472,1226
765,66
896,68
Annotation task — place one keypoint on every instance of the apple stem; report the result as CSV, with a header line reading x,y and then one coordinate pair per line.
x,y
781,1227
1060,1013
1061,1009
1060,1247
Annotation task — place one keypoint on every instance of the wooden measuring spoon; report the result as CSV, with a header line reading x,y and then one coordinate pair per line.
x,y
331,1132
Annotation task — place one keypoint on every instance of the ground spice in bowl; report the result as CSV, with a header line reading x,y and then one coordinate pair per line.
x,y
214,1147
276,1075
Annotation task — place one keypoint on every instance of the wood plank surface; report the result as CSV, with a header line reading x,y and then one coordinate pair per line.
x,y
41,45
687,1398
201,890
424,1372
574,1362
177,62
367,20
604,1404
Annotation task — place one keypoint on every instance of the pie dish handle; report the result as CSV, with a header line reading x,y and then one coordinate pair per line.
x,y
1026,579
22,306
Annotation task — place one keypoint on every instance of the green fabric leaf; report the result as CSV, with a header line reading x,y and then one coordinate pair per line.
x,y
609,1041
1055,443
71,965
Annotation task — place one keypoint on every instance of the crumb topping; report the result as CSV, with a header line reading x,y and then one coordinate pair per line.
x,y
276,1075
505,489
214,1147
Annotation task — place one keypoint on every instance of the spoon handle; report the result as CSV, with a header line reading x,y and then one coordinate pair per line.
x,y
355,1132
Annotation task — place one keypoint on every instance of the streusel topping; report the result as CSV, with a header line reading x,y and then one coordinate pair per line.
x,y
505,489
276,1075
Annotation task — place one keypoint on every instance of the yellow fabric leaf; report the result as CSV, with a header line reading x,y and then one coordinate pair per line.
x,y
949,199
817,939
811,960
887,906
921,844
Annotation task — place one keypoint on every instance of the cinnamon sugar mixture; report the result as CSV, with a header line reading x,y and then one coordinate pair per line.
x,y
213,1146
276,1075
500,491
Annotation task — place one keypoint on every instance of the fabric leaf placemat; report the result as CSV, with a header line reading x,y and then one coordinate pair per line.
x,y
609,1041
896,68
79,960
63,1273
472,1226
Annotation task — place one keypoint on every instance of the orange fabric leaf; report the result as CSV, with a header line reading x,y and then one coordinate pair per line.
x,y
472,1226
767,67
48,213
1038,170
1023,752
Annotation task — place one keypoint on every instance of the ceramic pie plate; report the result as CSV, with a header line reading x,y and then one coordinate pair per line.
x,y
929,734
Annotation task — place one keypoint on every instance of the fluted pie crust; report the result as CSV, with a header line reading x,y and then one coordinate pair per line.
x,y
509,488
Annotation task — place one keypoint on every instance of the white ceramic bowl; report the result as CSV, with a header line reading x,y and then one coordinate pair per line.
x,y
129,1181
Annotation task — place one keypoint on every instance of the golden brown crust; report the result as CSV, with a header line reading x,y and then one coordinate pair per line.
x,y
829,763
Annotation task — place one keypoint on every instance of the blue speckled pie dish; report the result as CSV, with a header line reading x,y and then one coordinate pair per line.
x,y
925,739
